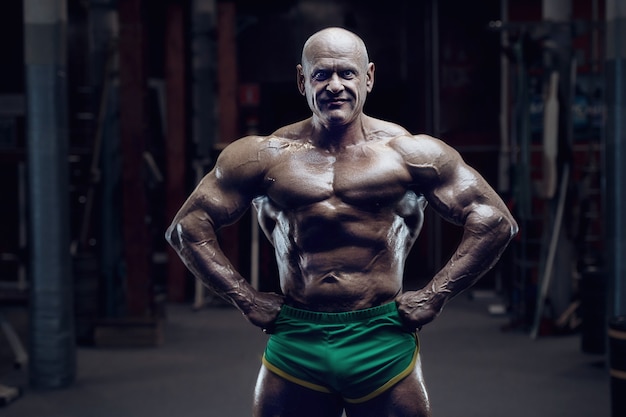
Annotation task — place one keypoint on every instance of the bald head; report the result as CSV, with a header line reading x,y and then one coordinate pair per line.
x,y
336,40
335,76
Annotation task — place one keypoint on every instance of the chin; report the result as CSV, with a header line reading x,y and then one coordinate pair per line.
x,y
336,120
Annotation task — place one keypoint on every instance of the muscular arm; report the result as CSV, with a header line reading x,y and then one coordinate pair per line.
x,y
460,195
220,199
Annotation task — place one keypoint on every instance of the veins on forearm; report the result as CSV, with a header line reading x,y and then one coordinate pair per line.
x,y
484,239
200,251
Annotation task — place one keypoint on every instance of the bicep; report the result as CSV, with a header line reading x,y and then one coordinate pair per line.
x,y
459,193
220,199
474,205
212,204
453,194
227,191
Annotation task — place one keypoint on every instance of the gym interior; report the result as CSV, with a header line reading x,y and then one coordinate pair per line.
x,y
112,110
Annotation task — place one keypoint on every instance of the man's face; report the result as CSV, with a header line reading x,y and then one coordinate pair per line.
x,y
335,78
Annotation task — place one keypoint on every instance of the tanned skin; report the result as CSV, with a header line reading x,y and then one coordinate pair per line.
x,y
341,196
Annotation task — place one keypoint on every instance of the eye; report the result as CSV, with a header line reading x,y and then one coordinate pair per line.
x,y
347,74
320,75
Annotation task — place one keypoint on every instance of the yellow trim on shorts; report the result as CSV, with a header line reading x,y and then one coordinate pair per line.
x,y
393,381
293,379
320,388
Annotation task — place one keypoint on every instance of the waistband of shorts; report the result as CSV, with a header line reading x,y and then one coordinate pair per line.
x,y
342,317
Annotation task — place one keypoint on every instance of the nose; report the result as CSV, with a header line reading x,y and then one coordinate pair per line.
x,y
334,84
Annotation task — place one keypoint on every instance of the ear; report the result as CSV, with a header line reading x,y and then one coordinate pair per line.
x,y
300,79
369,80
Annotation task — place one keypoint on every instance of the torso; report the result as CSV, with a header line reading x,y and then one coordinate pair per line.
x,y
342,223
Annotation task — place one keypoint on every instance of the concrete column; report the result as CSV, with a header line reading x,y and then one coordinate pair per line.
x,y
52,344
615,150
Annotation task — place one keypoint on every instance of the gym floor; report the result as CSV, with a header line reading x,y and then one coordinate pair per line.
x,y
208,362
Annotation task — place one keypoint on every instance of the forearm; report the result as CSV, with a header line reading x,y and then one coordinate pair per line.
x,y
484,240
199,250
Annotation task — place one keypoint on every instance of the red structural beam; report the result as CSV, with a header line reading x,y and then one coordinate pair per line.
x,y
134,131
227,105
175,140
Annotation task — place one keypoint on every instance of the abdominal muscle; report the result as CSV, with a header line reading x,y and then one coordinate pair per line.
x,y
333,266
341,289
335,255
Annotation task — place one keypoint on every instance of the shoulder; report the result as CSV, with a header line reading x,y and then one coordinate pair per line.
x,y
425,150
383,129
293,131
253,155
411,147
241,164
431,162
252,149
239,151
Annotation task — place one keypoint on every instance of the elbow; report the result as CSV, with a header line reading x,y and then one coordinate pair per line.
x,y
499,227
174,234
188,229
170,234
488,220
513,227
507,227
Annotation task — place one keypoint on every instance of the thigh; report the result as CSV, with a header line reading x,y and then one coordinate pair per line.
x,y
277,397
408,398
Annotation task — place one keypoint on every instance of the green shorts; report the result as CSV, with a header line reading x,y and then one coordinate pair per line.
x,y
357,354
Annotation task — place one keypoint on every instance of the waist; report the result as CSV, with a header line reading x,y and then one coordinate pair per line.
x,y
341,317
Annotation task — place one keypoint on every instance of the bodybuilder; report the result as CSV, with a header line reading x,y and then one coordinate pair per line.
x,y
341,196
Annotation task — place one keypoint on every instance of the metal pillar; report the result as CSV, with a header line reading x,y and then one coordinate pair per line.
x,y
505,160
433,122
556,276
103,33
615,151
52,346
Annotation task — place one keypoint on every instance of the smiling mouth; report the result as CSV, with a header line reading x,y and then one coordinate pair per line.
x,y
336,102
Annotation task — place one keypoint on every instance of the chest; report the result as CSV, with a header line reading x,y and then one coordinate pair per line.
x,y
360,176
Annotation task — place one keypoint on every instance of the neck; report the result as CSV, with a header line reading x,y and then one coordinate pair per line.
x,y
340,136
